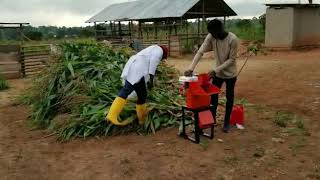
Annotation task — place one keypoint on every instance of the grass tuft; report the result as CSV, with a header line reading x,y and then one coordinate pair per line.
x,y
3,83
282,118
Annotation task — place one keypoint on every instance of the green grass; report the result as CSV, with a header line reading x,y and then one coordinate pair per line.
x,y
252,34
3,83
204,144
299,124
244,102
298,144
282,118
293,124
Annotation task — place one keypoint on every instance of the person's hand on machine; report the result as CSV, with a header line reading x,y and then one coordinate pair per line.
x,y
212,74
188,72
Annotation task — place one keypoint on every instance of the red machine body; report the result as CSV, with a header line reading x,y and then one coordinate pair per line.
x,y
199,93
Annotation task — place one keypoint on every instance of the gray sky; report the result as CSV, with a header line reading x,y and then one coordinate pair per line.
x,y
76,12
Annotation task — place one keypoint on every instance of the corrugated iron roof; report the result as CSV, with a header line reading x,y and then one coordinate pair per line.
x,y
149,9
292,5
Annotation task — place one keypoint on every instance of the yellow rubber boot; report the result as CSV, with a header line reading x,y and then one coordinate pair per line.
x,y
115,110
142,113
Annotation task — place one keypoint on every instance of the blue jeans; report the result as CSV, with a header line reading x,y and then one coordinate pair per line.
x,y
139,87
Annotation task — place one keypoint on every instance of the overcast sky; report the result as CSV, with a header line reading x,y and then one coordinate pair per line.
x,y
76,12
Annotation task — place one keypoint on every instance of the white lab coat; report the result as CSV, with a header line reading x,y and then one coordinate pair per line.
x,y
142,64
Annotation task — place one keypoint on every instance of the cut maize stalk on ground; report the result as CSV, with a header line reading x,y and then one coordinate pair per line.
x,y
84,81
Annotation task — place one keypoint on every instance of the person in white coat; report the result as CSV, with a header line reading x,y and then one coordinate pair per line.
x,y
140,69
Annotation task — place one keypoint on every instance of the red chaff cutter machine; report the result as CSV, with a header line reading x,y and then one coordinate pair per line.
x,y
198,90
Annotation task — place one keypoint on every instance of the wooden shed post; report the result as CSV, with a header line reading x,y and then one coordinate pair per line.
x,y
169,37
95,30
111,28
130,30
140,30
198,30
110,24
187,32
155,30
119,26
21,34
106,28
147,30
203,17
170,28
114,32
175,27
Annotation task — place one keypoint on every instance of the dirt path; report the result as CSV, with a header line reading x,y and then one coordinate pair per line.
x,y
279,81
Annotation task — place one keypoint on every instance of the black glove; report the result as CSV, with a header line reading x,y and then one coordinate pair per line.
x,y
188,72
150,83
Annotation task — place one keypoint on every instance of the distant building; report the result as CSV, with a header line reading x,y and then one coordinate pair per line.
x,y
145,22
292,25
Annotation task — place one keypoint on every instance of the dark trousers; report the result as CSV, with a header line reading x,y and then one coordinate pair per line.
x,y
139,88
230,84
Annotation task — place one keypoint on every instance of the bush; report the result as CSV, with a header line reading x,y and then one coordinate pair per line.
x,y
247,29
34,35
282,119
3,83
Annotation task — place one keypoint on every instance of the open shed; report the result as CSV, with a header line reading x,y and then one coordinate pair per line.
x,y
10,54
17,59
292,25
146,22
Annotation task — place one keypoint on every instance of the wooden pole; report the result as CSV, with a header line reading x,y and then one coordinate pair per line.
x,y
224,20
175,29
147,30
111,28
110,24
140,32
203,17
120,30
23,70
95,30
198,30
169,36
156,30
130,30
20,34
106,24
114,33
170,29
187,32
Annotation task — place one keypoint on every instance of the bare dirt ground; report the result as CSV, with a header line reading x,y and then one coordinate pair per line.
x,y
287,81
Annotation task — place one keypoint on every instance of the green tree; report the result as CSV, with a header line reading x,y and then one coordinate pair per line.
x,y
87,32
262,21
34,35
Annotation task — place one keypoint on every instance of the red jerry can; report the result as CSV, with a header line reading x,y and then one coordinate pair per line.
x,y
237,115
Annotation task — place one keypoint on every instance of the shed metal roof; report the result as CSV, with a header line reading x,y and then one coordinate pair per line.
x,y
158,9
293,5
